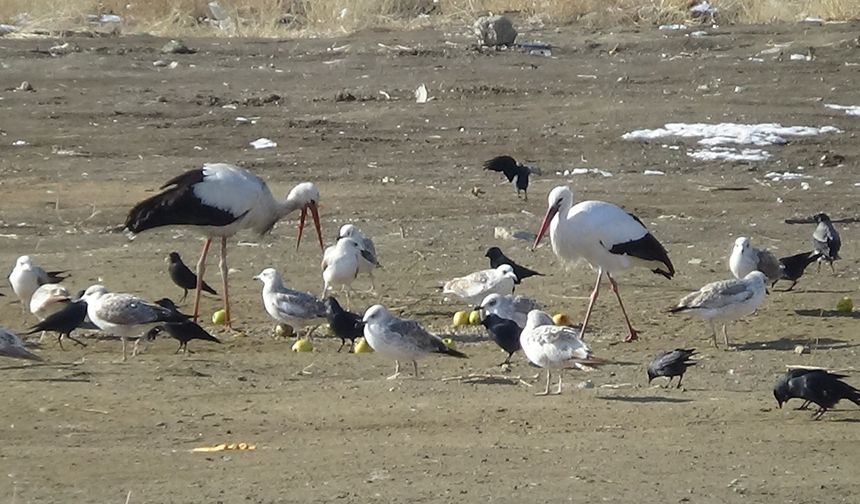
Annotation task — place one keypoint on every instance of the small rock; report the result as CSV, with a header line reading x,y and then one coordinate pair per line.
x,y
25,86
176,47
494,31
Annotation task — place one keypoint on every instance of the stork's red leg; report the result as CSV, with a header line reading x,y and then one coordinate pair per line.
x,y
591,301
201,268
634,334
223,265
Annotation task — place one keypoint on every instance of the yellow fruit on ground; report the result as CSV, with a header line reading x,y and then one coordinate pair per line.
x,y
303,345
845,305
219,317
475,317
362,346
448,342
461,318
560,319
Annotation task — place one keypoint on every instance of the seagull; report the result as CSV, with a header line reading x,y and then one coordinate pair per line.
x,y
609,238
288,306
183,277
183,332
344,324
504,332
553,347
745,258
340,265
63,322
368,260
219,200
476,286
125,315
816,386
514,308
792,267
26,277
512,169
497,258
725,301
826,240
47,299
12,346
401,339
671,364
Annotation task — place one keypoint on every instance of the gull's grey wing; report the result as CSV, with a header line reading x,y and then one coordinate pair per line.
x,y
299,304
12,346
369,257
367,245
412,332
718,295
125,309
525,304
768,264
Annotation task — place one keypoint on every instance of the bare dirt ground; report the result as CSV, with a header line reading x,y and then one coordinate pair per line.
x,y
82,428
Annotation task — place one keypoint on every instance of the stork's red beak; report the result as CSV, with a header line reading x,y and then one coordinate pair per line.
x,y
316,217
547,219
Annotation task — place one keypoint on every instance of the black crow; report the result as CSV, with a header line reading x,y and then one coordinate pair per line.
x,y
671,364
344,324
512,169
506,334
826,240
183,332
63,322
170,305
817,386
792,267
183,277
497,258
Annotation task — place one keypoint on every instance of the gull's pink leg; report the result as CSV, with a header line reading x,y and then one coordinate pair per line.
x,y
201,268
223,265
634,334
591,301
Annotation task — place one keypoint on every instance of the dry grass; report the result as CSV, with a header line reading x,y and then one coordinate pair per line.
x,y
279,17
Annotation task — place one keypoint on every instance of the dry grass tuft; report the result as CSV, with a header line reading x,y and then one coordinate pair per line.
x,y
266,18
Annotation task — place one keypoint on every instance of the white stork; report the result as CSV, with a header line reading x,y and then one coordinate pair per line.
x,y
219,200
609,238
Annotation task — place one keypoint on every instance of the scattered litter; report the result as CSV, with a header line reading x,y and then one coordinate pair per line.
x,y
653,172
587,384
159,63
20,143
104,18
777,176
501,233
387,180
25,86
421,94
703,8
849,109
230,106
812,19
176,47
493,31
584,171
6,29
385,95
804,186
672,27
173,64
247,120
800,57
263,143
730,133
699,33
828,182
800,349
695,261
537,49
729,154
224,447
220,16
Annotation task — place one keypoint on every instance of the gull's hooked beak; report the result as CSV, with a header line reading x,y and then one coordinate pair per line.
x,y
316,217
255,277
547,219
